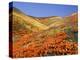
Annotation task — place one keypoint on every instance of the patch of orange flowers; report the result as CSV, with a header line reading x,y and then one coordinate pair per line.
x,y
52,45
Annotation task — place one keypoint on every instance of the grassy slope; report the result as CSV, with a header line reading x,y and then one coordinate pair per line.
x,y
32,23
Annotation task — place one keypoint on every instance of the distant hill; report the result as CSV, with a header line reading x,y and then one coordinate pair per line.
x,y
72,21
27,21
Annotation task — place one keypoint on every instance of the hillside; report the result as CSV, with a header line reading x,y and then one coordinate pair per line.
x,y
72,21
24,19
22,23
43,36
